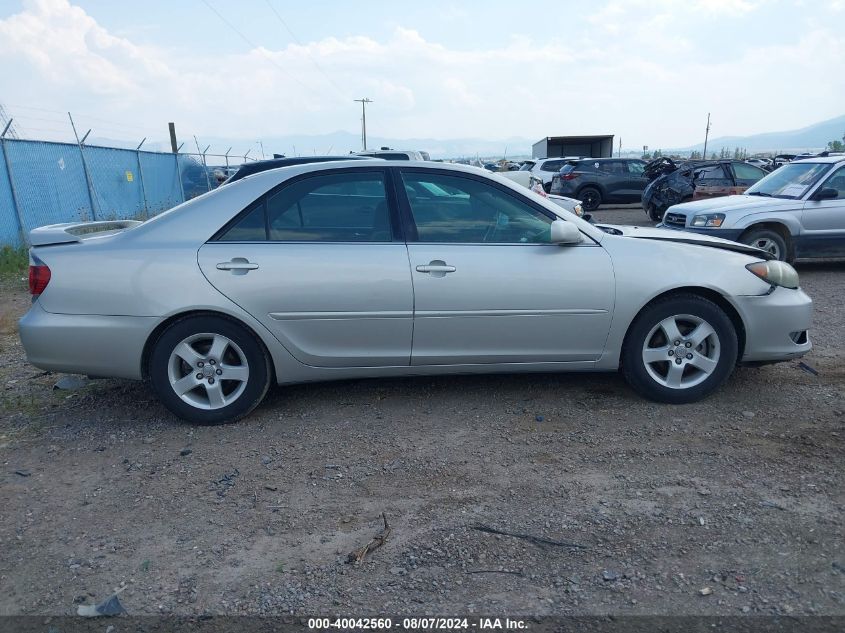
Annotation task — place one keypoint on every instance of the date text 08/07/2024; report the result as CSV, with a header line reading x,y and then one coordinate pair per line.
x,y
412,624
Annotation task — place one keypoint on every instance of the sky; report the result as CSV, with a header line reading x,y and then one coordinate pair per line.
x,y
647,71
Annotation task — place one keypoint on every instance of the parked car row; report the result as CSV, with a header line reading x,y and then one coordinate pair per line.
x,y
797,211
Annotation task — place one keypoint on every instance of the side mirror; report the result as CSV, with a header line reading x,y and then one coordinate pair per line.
x,y
826,193
565,233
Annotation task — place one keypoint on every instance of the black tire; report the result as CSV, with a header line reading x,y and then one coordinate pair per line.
x,y
590,198
243,348
771,241
654,213
640,377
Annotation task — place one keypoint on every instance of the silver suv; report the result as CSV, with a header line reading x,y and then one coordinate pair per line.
x,y
797,211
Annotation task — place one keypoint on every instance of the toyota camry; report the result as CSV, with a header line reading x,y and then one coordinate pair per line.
x,y
393,268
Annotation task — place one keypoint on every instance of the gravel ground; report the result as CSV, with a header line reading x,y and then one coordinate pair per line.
x,y
733,505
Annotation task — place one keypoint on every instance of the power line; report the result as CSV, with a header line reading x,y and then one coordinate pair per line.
x,y
307,52
258,48
63,113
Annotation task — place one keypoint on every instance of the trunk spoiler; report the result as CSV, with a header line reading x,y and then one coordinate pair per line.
x,y
77,231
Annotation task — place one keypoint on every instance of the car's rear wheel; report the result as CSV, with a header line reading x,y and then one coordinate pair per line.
x,y
209,370
590,198
770,241
679,349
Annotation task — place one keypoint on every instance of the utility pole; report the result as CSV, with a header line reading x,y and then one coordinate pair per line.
x,y
619,151
173,147
364,103
706,136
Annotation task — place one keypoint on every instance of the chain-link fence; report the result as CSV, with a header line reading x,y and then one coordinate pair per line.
x,y
47,182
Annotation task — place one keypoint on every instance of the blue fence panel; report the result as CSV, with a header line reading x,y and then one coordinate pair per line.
x,y
9,229
49,181
116,183
161,181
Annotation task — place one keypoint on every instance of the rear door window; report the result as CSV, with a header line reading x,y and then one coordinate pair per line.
x,y
340,207
712,176
747,174
635,167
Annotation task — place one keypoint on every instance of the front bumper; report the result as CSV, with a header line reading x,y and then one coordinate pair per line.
x,y
725,234
96,345
776,325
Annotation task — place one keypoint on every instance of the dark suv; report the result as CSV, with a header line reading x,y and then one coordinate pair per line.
x,y
594,181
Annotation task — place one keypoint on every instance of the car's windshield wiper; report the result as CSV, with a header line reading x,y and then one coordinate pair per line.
x,y
760,193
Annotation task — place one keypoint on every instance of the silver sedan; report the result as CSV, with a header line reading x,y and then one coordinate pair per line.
x,y
344,270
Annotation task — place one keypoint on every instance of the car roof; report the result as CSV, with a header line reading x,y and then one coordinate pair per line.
x,y
821,159
602,160
248,169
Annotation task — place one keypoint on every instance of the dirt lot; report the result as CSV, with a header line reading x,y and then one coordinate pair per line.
x,y
730,506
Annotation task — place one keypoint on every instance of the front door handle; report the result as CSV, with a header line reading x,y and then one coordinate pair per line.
x,y
436,268
238,266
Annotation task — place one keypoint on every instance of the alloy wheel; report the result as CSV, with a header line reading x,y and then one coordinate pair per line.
x,y
681,351
769,245
208,371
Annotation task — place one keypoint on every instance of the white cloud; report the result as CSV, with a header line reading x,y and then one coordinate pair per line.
x,y
638,70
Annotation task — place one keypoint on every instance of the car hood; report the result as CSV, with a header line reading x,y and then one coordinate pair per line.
x,y
736,203
683,237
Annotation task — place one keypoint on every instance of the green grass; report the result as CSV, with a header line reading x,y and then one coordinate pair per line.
x,y
13,261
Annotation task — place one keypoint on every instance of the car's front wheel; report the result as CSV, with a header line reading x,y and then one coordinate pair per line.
x,y
770,241
679,349
209,370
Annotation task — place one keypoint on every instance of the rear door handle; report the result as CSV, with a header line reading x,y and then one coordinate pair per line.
x,y
238,266
436,268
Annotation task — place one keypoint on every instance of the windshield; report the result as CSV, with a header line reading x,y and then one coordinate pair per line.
x,y
526,166
790,181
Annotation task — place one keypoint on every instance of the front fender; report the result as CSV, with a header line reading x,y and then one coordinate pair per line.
x,y
791,222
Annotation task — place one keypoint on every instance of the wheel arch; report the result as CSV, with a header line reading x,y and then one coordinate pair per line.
x,y
705,293
166,323
591,185
772,225
778,227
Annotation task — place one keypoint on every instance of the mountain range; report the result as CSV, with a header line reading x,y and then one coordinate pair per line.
x,y
810,138
813,137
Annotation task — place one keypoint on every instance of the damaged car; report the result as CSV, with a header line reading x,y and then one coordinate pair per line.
x,y
673,182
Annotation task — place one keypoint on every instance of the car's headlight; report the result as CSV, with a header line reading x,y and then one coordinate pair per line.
x,y
578,209
775,272
708,220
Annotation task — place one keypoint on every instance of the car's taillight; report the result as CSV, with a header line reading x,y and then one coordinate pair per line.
x,y
569,176
39,276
